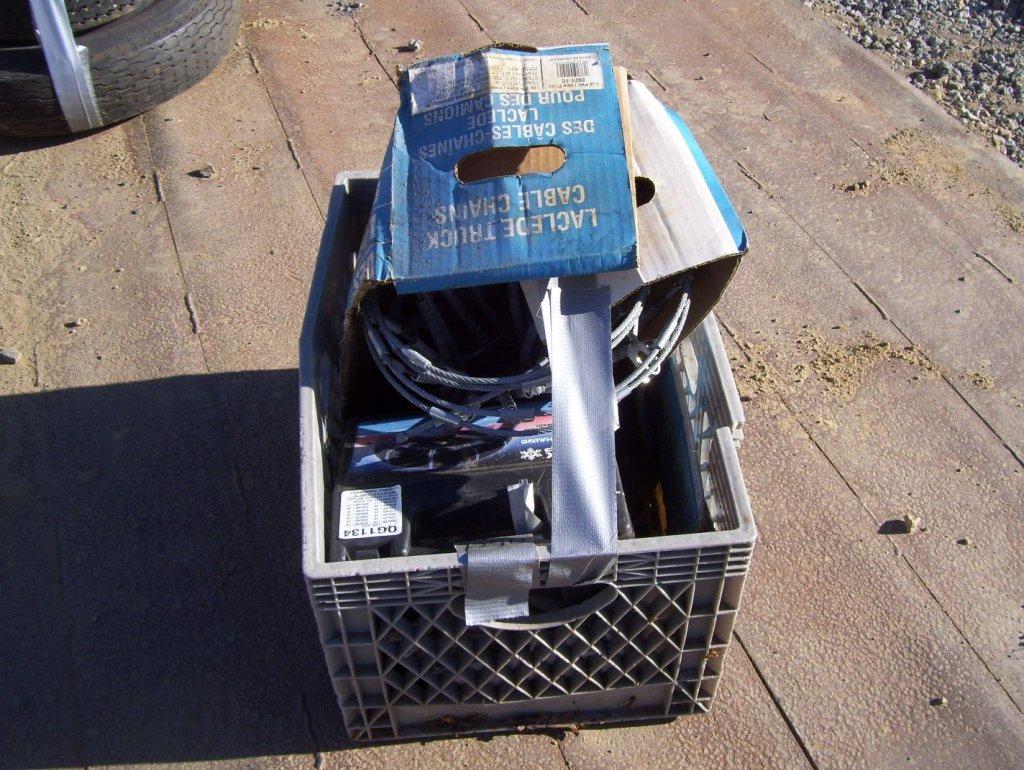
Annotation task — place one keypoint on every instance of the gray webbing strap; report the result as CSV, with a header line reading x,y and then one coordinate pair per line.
x,y
499,574
577,317
498,579
68,64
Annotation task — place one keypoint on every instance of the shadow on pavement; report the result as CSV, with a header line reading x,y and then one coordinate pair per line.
x,y
10,145
151,599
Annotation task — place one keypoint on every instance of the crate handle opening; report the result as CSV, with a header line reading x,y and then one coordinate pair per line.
x,y
597,597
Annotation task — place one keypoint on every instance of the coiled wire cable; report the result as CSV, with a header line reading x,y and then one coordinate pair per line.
x,y
407,370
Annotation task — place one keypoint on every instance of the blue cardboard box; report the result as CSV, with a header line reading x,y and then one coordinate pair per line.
x,y
504,165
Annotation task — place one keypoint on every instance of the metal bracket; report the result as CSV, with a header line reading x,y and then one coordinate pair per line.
x,y
68,63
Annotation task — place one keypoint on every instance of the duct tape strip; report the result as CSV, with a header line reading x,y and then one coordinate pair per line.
x,y
577,317
498,576
68,63
522,503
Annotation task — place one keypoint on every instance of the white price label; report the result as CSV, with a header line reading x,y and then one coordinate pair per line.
x,y
571,71
370,513
446,83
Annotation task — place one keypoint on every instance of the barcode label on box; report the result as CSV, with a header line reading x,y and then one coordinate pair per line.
x,y
572,69
370,513
445,83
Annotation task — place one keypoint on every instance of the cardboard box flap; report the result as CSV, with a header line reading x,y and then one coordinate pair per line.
x,y
689,220
685,221
504,165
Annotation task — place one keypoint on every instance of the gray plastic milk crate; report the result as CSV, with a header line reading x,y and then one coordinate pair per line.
x,y
401,658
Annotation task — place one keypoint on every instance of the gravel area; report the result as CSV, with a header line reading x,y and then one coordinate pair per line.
x,y
968,54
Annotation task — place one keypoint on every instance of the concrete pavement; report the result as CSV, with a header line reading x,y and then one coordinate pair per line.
x,y
150,579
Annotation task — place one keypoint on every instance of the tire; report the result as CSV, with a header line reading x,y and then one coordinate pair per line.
x,y
16,16
137,62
